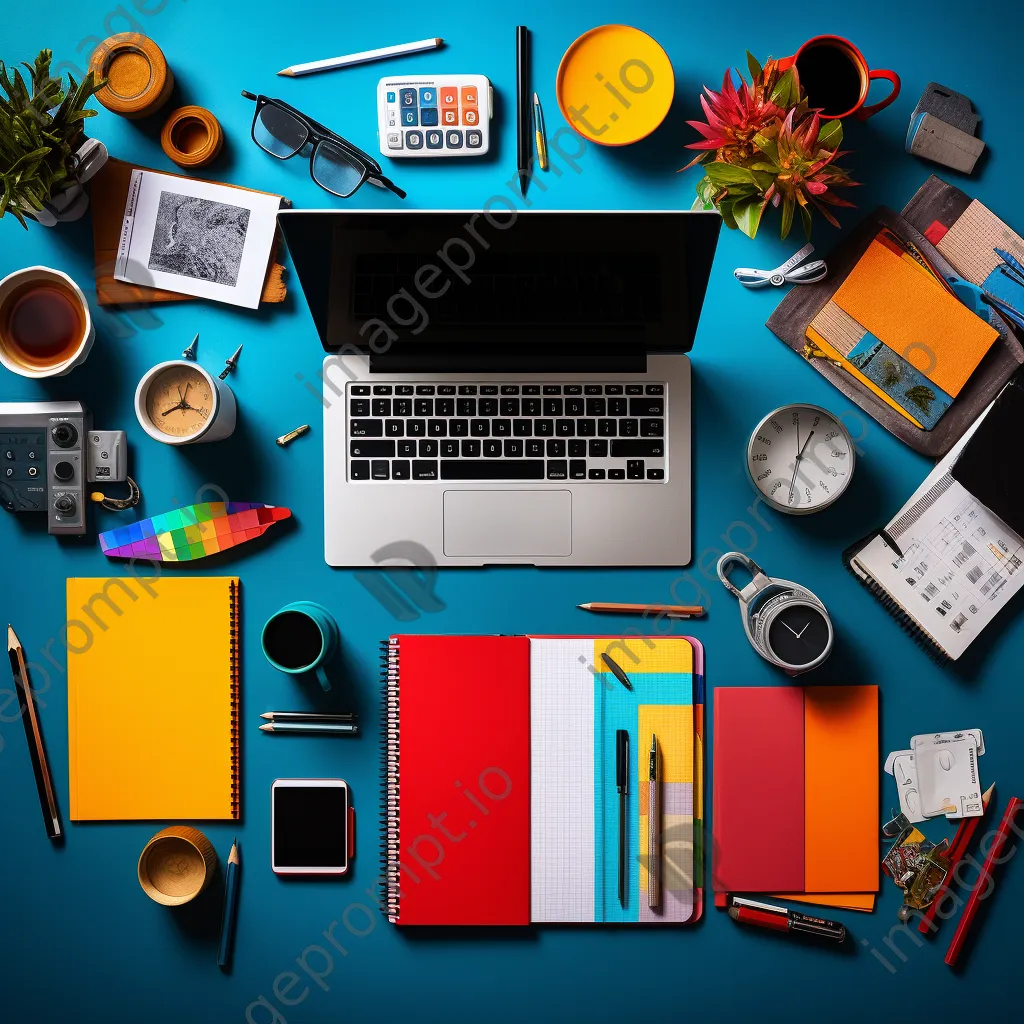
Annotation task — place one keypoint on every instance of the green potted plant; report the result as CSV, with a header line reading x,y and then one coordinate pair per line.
x,y
44,155
763,144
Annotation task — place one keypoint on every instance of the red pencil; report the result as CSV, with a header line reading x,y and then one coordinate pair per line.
x,y
957,852
971,910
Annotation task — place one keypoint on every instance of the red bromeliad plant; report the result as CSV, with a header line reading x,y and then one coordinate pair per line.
x,y
763,144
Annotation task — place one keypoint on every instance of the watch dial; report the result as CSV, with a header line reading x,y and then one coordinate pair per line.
x,y
179,401
800,458
798,634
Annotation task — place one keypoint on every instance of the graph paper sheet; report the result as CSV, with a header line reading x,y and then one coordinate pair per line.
x,y
562,780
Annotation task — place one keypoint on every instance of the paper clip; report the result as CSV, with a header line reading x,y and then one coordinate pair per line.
x,y
785,273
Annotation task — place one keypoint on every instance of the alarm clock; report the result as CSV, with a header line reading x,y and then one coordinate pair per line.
x,y
785,623
178,402
800,458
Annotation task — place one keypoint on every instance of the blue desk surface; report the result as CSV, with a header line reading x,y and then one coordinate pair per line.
x,y
79,940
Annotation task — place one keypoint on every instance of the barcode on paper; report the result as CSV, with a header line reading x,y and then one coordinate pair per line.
x,y
993,581
974,574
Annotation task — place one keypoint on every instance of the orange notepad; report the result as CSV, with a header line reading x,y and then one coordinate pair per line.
x,y
913,315
153,698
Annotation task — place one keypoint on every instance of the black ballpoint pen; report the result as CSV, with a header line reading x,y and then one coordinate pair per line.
x,y
524,113
617,672
622,784
654,828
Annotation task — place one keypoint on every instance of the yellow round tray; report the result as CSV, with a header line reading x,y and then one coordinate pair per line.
x,y
615,85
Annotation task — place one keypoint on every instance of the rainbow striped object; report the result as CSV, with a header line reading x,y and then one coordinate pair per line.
x,y
192,532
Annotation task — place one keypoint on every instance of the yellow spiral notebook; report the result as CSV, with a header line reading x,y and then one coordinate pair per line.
x,y
153,698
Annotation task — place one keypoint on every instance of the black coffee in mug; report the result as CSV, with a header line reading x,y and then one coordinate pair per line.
x,y
293,640
831,76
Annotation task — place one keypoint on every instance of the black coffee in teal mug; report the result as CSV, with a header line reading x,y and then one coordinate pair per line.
x,y
300,638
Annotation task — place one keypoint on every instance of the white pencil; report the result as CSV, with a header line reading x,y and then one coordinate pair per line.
x,y
313,728
361,58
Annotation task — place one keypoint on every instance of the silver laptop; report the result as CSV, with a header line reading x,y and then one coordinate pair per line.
x,y
505,388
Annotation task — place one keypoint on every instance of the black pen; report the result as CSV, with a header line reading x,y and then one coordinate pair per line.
x,y
653,828
523,110
622,784
617,672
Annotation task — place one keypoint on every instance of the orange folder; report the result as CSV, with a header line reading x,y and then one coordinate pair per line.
x,y
915,317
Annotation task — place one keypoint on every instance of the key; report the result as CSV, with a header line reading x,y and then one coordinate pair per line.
x,y
404,389
458,428
424,389
449,449
402,406
380,470
531,407
595,474
423,407
415,428
492,449
565,428
522,428
437,428
366,428
382,389
616,474
629,428
501,428
577,449
574,406
407,449
471,449
586,428
394,428
467,389
655,389
480,428
424,470
591,389
543,428
467,406
597,449
557,471
488,389
552,407
372,449
359,469
617,406
607,428
517,469
400,469
382,407
655,474
646,407
573,389
531,389
428,449
613,389
534,449
595,406
652,428
510,407
444,407
635,469
634,389
359,389
510,389
359,407
556,449
639,448
577,470
488,407
552,389
513,449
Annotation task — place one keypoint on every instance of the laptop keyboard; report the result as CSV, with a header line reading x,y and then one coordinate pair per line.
x,y
513,432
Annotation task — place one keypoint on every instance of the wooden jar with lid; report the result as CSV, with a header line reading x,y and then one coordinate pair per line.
x,y
139,82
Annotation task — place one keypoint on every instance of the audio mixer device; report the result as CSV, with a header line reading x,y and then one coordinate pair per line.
x,y
49,452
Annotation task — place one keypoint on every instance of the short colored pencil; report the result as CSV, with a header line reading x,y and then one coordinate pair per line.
x,y
363,57
313,728
672,611
230,913
305,716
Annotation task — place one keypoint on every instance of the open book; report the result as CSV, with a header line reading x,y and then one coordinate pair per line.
x,y
951,558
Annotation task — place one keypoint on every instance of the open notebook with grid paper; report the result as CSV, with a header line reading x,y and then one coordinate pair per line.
x,y
499,795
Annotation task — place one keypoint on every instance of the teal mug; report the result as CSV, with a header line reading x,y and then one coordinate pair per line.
x,y
300,638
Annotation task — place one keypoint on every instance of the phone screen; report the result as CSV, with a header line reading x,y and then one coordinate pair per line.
x,y
310,826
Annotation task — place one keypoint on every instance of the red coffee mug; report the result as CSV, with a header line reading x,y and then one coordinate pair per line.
x,y
832,70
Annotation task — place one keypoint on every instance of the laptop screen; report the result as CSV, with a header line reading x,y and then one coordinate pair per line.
x,y
378,281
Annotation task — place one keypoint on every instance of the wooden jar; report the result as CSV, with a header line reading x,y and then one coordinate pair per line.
x,y
139,81
176,865
192,137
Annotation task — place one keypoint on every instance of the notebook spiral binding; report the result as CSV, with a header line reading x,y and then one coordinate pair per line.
x,y
235,692
390,802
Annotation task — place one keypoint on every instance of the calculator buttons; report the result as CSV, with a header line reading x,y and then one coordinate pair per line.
x,y
428,97
414,140
428,116
470,115
474,140
408,97
435,140
469,96
394,140
453,140
409,117
449,97
449,115
391,97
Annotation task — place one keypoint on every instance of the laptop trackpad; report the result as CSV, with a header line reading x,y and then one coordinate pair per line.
x,y
507,523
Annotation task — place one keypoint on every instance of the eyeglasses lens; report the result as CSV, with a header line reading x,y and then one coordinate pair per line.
x,y
278,132
336,171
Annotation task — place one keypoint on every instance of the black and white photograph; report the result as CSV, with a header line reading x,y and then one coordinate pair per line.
x,y
198,238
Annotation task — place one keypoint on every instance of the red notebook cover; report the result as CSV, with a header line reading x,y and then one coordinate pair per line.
x,y
464,780
758,788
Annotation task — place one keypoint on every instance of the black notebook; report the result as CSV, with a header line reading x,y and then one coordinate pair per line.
x,y
951,559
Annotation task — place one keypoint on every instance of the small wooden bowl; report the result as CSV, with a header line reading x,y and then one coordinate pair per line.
x,y
192,137
139,82
176,865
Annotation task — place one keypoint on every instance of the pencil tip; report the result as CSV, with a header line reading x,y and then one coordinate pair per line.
x,y
287,72
12,638
266,728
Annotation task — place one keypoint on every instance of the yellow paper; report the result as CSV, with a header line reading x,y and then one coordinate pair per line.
x,y
152,731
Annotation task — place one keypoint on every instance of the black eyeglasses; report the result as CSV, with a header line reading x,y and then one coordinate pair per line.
x,y
334,163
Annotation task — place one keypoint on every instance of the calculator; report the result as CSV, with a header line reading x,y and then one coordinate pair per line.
x,y
440,115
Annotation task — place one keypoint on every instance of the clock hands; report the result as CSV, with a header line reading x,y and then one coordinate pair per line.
x,y
799,459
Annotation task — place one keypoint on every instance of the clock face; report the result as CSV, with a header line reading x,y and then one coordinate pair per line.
x,y
798,634
800,458
179,400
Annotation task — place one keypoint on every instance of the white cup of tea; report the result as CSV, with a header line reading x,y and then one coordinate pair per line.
x,y
46,328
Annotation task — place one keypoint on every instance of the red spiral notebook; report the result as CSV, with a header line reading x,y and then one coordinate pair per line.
x,y
499,797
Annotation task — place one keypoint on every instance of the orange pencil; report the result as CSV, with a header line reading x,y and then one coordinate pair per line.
x,y
672,611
